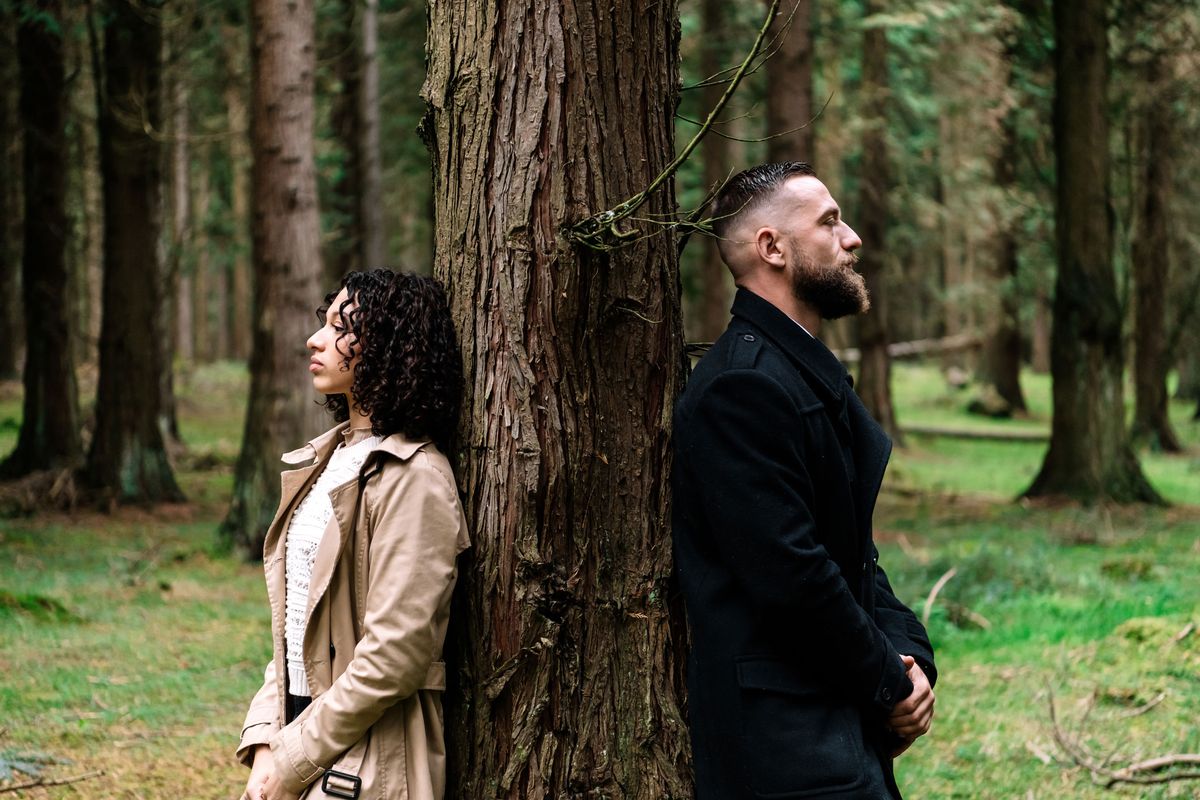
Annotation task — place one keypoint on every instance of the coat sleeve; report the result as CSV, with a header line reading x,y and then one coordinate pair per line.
x,y
748,467
416,525
901,626
262,718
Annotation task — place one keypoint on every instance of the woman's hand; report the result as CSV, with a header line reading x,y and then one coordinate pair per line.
x,y
262,767
273,789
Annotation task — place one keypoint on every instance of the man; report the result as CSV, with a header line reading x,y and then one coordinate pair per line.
x,y
807,676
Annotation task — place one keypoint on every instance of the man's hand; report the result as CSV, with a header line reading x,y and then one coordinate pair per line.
x,y
912,716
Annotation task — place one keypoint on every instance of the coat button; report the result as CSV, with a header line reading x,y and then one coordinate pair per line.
x,y
749,337
886,694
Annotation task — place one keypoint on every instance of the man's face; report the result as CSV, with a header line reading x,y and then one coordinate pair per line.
x,y
820,258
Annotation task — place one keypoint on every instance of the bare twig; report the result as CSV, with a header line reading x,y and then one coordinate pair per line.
x,y
1137,712
51,781
933,593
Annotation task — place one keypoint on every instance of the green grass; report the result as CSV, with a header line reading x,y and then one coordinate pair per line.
x,y
131,644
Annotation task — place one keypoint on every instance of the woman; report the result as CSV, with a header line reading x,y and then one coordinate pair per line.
x,y
360,559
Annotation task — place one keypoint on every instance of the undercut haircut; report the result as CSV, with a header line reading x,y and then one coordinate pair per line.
x,y
750,188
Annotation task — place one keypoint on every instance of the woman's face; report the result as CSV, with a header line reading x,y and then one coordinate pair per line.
x,y
330,374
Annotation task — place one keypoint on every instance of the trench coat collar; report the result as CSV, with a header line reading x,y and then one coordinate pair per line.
x,y
315,451
808,352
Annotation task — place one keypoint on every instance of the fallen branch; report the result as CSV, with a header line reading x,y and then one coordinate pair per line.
x,y
51,781
967,433
933,593
1130,773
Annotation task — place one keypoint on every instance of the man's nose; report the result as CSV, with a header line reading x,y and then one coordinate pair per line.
x,y
850,240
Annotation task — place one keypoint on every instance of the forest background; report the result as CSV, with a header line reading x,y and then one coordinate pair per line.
x,y
182,181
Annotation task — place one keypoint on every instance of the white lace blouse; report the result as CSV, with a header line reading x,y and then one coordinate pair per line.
x,y
304,534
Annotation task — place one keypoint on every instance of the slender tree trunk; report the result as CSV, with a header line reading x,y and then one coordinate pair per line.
x,y
240,274
202,328
346,247
128,457
715,281
1002,349
1040,345
374,239
1151,266
282,411
1089,457
49,436
875,372
180,273
568,638
10,198
790,106
93,199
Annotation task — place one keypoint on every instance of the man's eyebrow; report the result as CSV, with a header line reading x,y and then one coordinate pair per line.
x,y
830,209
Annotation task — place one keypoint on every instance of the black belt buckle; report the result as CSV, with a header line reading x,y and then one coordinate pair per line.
x,y
347,786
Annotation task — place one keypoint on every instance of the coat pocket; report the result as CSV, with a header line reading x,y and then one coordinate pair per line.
x,y
798,739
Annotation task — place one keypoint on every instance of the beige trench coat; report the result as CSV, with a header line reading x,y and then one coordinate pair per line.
x,y
379,601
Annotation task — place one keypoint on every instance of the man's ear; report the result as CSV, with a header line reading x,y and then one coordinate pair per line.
x,y
768,243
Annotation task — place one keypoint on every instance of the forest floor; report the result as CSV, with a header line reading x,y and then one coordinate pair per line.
x,y
129,643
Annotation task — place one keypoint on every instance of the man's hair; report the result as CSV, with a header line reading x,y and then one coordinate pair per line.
x,y
751,187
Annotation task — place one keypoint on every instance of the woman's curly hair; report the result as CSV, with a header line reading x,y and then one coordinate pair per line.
x,y
409,375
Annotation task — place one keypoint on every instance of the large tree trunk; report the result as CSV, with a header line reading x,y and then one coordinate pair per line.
x,y
282,411
875,372
716,283
568,637
10,198
127,457
49,436
1001,365
1089,457
1151,265
790,107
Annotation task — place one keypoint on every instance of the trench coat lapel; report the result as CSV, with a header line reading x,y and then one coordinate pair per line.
x,y
345,499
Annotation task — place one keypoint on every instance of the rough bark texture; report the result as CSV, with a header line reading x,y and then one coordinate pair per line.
x,y
49,436
1151,268
1001,365
568,639
790,86
127,456
10,199
281,413
1089,457
875,372
715,281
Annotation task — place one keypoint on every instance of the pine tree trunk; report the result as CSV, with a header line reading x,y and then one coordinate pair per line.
x,y
10,199
179,274
374,239
240,290
202,329
875,371
716,283
790,107
49,436
282,412
128,458
346,246
92,207
1089,457
1002,349
568,638
1151,266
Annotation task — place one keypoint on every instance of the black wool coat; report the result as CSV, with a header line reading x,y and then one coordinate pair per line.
x,y
796,633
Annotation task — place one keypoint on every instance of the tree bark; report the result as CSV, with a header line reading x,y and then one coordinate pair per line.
x,y
1089,457
282,411
49,437
717,151
345,247
374,240
1151,258
568,638
875,372
240,289
1002,349
10,198
179,274
206,347
128,457
790,106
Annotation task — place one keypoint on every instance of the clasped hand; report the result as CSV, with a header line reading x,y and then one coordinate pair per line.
x,y
913,715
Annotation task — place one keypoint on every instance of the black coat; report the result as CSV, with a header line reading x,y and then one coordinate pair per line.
x,y
796,632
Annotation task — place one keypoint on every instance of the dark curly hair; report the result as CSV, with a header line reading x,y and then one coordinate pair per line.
x,y
409,375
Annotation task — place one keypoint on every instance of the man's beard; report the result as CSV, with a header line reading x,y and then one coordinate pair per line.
x,y
833,291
